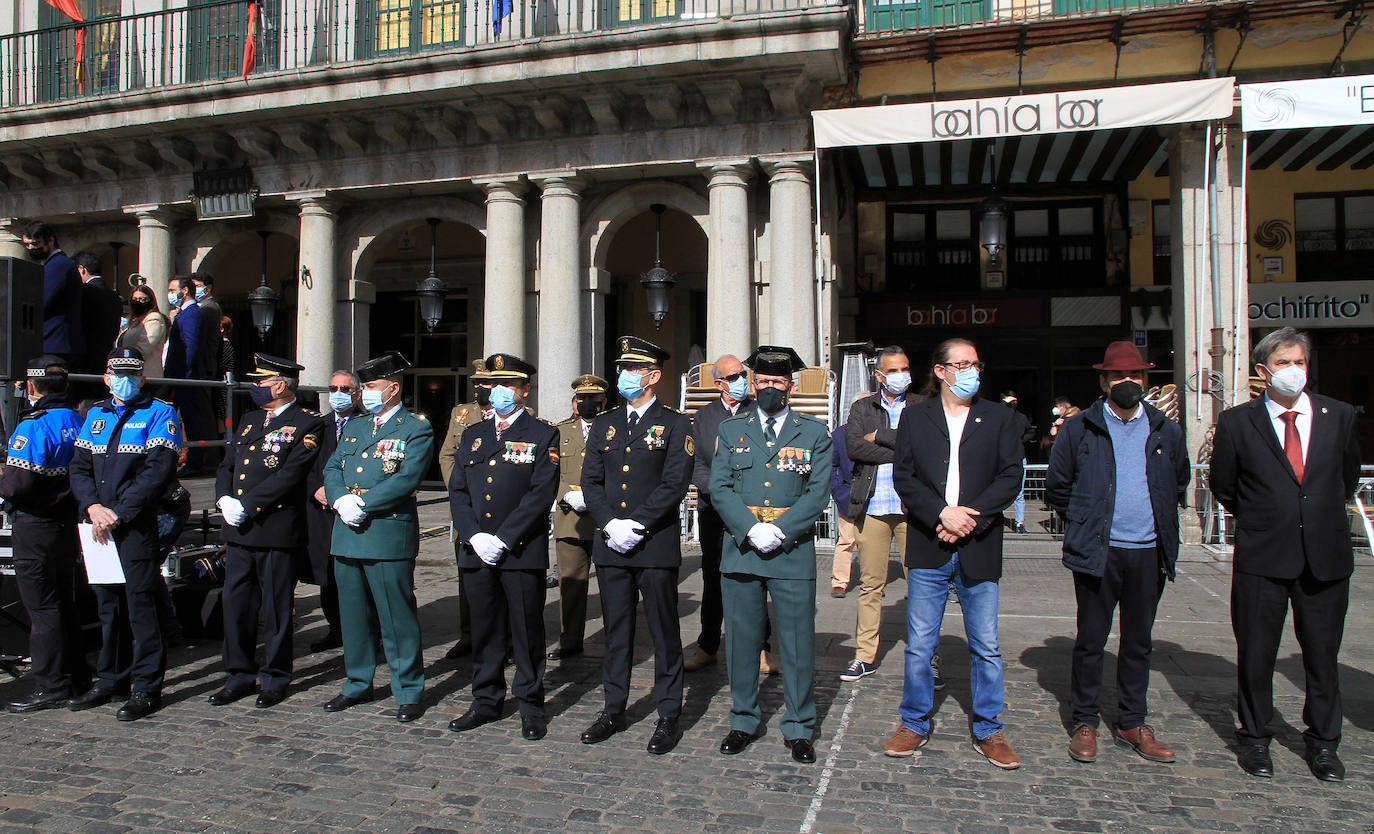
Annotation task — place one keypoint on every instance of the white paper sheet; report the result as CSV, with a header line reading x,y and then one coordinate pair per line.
x,y
102,560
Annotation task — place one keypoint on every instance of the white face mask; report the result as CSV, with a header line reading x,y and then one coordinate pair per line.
x,y
1288,381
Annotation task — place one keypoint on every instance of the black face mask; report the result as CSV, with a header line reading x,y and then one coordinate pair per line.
x,y
138,306
483,396
587,409
1127,394
771,400
37,254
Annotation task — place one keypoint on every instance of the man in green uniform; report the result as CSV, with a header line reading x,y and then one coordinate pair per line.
x,y
770,481
370,481
573,527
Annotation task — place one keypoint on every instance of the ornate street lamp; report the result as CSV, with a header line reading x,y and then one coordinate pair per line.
x,y
263,300
658,282
431,290
992,225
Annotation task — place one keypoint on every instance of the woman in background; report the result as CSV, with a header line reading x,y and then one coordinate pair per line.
x,y
146,331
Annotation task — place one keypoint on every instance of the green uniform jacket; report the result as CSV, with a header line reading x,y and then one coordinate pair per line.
x,y
384,467
793,473
572,448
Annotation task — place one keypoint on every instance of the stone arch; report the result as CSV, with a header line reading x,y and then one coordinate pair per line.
x,y
607,216
205,245
376,221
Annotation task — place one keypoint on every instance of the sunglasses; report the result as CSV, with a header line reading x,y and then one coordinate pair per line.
x,y
341,389
733,377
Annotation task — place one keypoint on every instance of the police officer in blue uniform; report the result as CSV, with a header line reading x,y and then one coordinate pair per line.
x,y
637,468
126,455
34,485
260,490
504,481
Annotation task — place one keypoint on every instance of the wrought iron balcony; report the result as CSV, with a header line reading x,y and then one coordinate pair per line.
x,y
890,16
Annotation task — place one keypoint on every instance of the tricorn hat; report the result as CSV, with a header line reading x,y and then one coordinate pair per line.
x,y
774,360
389,364
1122,356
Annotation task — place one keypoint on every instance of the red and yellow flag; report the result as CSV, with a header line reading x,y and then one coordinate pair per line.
x,y
249,41
68,8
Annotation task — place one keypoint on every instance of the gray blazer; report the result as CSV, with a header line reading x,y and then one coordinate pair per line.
x,y
705,424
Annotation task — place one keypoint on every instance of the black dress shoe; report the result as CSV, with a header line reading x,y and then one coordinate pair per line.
x,y
1325,764
91,698
665,737
41,699
533,728
406,713
230,694
1254,760
139,705
341,702
270,698
735,741
332,640
564,654
802,750
471,720
606,725
460,649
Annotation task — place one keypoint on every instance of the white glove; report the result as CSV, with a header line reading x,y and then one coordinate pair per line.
x,y
350,509
487,547
622,534
574,498
232,510
765,537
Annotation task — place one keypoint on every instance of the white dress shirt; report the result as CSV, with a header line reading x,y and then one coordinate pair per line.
x,y
1304,422
956,433
778,420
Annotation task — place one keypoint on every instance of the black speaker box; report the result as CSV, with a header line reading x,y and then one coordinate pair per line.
x,y
21,315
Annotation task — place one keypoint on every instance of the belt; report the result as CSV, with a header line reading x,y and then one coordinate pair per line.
x,y
357,490
768,514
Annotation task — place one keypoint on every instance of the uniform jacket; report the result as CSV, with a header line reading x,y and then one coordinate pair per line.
x,y
705,424
266,470
990,474
505,487
1282,526
62,307
867,416
793,473
320,520
643,476
572,449
463,416
1080,484
34,480
128,471
383,466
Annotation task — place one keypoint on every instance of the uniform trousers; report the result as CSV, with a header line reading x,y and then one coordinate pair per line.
x,y
137,544
259,586
507,607
794,607
112,665
574,568
621,588
876,534
391,583
46,553
464,604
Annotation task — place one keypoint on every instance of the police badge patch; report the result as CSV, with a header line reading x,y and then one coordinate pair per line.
x,y
171,427
690,446
475,444
97,427
19,443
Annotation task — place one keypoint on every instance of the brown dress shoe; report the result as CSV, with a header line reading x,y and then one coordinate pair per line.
x,y
904,742
998,751
1143,739
1083,743
699,659
768,663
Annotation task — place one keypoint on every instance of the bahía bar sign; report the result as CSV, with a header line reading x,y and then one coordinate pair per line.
x,y
1315,102
1071,111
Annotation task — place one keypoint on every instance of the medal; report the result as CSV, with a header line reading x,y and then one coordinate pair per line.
x,y
270,461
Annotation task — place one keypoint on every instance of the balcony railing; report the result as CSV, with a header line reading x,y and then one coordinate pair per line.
x,y
882,16
207,41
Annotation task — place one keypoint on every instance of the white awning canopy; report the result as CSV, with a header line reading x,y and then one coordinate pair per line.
x,y
1315,102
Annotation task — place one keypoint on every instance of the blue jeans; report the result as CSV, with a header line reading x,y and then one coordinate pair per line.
x,y
927,591
1020,502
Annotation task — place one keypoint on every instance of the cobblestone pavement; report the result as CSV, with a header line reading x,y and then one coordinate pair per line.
x,y
193,767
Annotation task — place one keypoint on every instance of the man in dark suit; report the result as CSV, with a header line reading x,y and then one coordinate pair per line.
x,y
62,333
260,492
957,467
186,360
1285,465
504,480
344,393
637,469
100,312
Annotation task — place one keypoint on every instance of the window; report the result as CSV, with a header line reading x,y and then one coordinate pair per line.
x,y
1080,6
1334,236
409,25
886,15
1162,245
1056,246
931,248
216,33
58,77
631,12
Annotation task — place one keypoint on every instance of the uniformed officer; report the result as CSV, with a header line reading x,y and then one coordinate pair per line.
x,y
370,481
46,551
344,405
126,455
573,527
636,472
770,481
260,490
500,493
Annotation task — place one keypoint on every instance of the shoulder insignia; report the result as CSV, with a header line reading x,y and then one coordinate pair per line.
x,y
553,454
19,443
690,446
610,432
462,414
475,443
97,426
164,402
309,441
39,412
171,426
422,417
311,413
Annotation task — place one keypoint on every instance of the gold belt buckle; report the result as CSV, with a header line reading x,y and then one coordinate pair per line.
x,y
357,490
767,515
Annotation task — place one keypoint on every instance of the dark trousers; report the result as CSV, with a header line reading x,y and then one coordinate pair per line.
x,y
712,533
138,549
329,598
113,664
259,585
464,603
45,557
1133,579
1259,607
507,604
621,589
574,567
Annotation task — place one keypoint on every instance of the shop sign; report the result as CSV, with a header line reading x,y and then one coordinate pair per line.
x,y
1314,102
960,313
1312,305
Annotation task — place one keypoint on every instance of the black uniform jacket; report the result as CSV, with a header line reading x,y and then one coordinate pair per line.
x,y
266,469
506,488
640,475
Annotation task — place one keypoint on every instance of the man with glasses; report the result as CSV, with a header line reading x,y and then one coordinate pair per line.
x,y
958,466
260,489
345,405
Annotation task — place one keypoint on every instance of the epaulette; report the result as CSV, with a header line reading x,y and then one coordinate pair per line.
x,y
310,413
34,415
566,422
671,409
422,417
164,402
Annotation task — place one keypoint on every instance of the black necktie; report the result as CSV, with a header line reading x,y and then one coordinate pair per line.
x,y
634,420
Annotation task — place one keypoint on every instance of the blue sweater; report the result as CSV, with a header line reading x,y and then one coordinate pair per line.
x,y
1133,517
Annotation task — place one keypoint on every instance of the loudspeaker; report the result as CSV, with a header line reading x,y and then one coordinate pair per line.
x,y
21,315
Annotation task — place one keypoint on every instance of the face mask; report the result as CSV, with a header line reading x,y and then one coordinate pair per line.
x,y
771,400
630,385
1055,411
374,401
739,388
1010,404
172,297
503,399
587,409
139,305
1127,394
483,396
1288,381
200,293
341,402
965,383
123,322
37,255
124,388
896,384
259,395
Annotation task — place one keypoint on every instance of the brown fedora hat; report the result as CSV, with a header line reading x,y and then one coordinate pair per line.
x,y
1122,356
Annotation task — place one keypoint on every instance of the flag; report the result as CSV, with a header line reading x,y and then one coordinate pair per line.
x,y
250,40
68,8
500,10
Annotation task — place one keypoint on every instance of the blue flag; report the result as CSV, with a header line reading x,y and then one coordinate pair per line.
x,y
500,10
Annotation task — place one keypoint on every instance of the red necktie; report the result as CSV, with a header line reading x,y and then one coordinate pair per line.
x,y
1292,443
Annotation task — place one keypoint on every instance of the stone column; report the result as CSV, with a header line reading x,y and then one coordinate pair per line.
x,y
503,311
730,260
12,239
560,289
155,251
316,326
791,257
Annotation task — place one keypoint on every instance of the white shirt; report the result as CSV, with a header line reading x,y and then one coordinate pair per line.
x,y
733,409
279,409
956,433
379,420
1304,422
503,423
639,412
778,420
586,426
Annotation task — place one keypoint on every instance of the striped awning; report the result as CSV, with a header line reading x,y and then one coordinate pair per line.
x,y
1323,148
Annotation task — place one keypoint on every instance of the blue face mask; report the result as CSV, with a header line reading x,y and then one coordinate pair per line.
x,y
339,401
897,383
630,385
124,388
172,297
374,401
200,293
503,399
965,383
739,388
